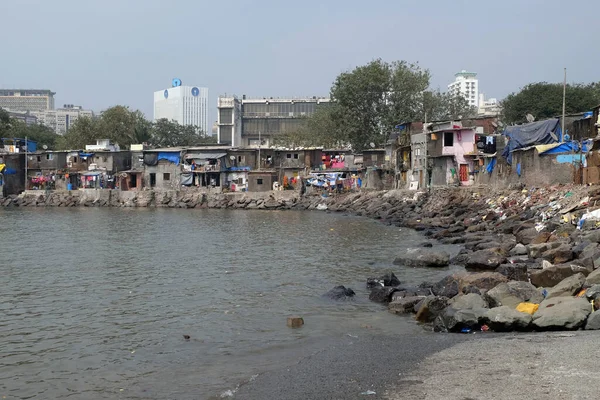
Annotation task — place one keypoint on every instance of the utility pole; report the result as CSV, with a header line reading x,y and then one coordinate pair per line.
x,y
259,143
26,162
563,110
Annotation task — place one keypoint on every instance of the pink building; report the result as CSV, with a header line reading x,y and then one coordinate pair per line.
x,y
447,145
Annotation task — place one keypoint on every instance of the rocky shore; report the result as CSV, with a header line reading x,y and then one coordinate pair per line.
x,y
531,254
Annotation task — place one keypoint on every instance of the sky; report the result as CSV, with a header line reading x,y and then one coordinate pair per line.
x,y
100,53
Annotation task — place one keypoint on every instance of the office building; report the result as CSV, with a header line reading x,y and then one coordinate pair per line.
x,y
467,85
188,105
23,100
255,122
61,119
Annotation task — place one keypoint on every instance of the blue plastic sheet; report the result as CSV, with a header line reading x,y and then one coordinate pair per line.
x,y
541,132
491,166
172,157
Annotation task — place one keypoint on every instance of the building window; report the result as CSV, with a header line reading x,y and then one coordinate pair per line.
x,y
166,176
74,159
448,139
49,156
295,156
289,155
259,181
152,179
39,158
417,151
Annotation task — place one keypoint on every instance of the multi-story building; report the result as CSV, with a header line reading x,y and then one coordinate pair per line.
x,y
255,122
22,100
489,107
23,116
61,119
188,105
467,85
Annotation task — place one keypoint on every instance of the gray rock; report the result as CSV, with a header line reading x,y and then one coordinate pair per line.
x,y
536,250
388,279
512,293
561,313
507,319
593,278
593,321
409,291
559,255
431,307
452,320
519,250
513,272
593,292
382,294
482,280
567,287
447,287
422,258
525,236
484,259
404,305
551,276
468,301
340,293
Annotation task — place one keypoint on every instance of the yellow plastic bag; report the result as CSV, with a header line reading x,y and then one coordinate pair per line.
x,y
529,308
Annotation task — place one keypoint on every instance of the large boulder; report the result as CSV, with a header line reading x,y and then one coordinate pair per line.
x,y
561,313
482,280
431,307
559,255
518,250
593,321
525,236
409,291
551,276
507,319
404,305
513,272
382,294
452,320
484,259
536,250
593,278
468,301
593,293
512,293
340,293
567,287
542,237
421,258
388,279
447,287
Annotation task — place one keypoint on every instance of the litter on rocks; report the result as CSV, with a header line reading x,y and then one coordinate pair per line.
x,y
368,393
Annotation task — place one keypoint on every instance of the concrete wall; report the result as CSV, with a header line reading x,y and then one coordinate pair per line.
x,y
163,167
267,179
40,161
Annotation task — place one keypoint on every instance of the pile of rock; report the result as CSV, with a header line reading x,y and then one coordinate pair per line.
x,y
466,302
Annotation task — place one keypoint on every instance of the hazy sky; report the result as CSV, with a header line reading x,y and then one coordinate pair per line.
x,y
98,53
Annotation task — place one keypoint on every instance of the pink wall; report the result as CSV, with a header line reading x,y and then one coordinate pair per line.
x,y
463,143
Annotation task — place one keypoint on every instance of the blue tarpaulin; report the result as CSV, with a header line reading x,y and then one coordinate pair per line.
x,y
172,157
541,132
82,154
491,166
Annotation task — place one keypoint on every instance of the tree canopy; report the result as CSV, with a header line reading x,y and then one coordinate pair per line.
x,y
14,128
370,100
544,100
125,127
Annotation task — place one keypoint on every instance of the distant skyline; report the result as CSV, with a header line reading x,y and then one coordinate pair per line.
x,y
102,53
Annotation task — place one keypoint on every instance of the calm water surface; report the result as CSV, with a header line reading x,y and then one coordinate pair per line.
x,y
94,303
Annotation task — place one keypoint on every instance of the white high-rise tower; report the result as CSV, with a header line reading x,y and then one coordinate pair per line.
x,y
467,85
188,105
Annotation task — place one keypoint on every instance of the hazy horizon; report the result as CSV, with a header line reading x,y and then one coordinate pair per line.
x,y
102,53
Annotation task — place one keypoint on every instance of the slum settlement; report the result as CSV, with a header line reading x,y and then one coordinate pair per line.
x,y
416,156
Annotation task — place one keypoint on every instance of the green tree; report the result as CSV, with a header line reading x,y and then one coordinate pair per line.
x,y
438,106
165,133
544,100
83,132
42,135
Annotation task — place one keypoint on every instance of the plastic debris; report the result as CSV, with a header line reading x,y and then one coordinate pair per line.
x,y
465,330
544,293
368,393
528,308
485,328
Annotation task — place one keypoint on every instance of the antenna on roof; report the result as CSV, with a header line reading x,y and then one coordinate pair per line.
x,y
372,145
530,118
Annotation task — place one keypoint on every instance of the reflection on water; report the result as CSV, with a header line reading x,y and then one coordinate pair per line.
x,y
95,302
